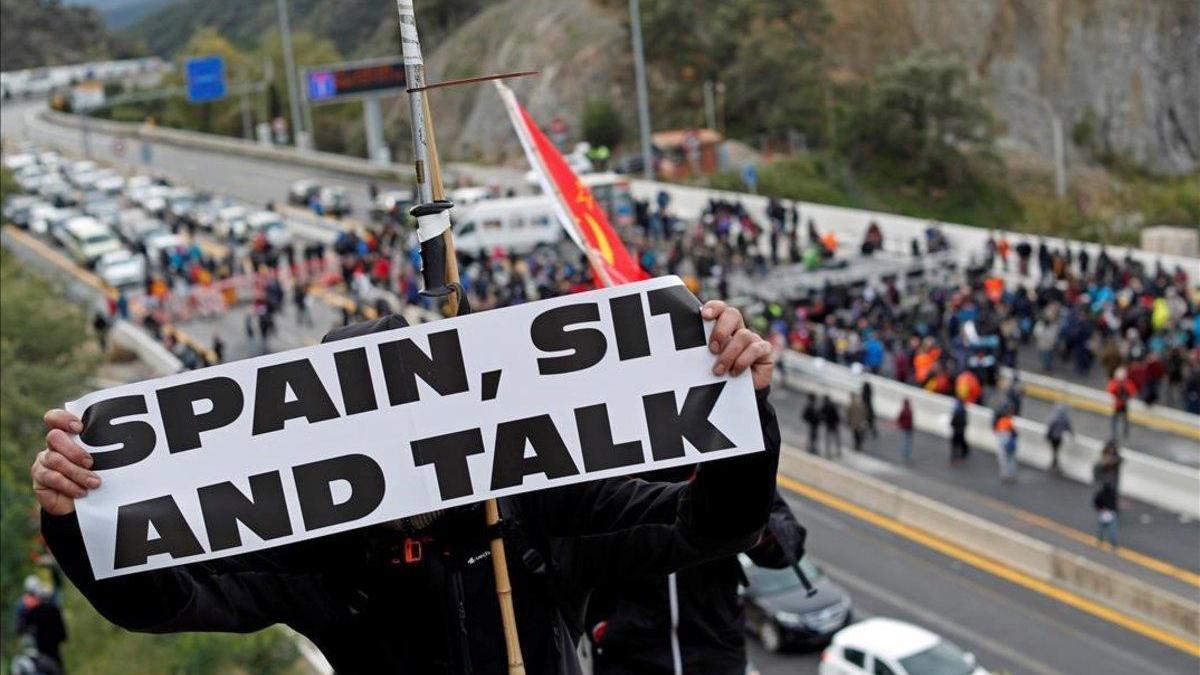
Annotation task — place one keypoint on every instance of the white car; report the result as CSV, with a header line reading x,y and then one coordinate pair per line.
x,y
30,177
121,268
159,241
230,222
270,224
18,162
87,240
880,646
49,220
138,182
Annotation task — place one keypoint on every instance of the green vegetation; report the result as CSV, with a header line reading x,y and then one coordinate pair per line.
x,y
50,32
338,127
358,28
765,55
601,123
45,355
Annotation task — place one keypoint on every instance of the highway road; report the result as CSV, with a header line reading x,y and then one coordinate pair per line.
x,y
1010,627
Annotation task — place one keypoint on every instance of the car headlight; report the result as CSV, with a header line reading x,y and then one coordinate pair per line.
x,y
788,619
827,617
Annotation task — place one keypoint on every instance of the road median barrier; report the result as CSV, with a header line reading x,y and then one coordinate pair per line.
x,y
326,161
1042,567
1161,418
1165,484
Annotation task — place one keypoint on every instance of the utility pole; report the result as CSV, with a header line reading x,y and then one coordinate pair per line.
x,y
1060,154
710,104
643,99
299,135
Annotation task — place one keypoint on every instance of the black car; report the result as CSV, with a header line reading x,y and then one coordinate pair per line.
x,y
781,613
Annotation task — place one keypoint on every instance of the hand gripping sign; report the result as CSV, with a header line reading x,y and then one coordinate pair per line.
x,y
310,442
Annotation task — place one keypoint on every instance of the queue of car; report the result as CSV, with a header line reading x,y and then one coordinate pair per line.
x,y
122,227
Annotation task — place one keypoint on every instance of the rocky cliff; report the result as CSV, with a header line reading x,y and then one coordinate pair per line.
x,y
1123,75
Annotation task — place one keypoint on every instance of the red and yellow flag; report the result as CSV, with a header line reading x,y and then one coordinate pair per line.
x,y
578,212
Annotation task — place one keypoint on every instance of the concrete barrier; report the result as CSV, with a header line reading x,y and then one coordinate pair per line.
x,y
850,224
85,288
1040,560
1163,418
1156,481
152,352
235,146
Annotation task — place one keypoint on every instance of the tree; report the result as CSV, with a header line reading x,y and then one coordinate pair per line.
x,y
601,124
923,110
766,52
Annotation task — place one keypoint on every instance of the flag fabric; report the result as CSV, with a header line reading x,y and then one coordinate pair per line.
x,y
578,211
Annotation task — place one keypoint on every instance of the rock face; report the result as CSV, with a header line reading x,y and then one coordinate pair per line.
x,y
580,50
1128,69
1126,72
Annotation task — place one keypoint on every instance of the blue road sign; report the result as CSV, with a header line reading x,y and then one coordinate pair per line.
x,y
205,79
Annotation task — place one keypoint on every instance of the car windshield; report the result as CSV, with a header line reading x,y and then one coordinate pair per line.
x,y
941,659
771,581
100,238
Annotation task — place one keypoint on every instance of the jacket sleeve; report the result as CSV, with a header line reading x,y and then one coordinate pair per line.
x,y
782,542
241,594
627,526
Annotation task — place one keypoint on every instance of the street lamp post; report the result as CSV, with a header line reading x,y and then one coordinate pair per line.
x,y
299,135
639,73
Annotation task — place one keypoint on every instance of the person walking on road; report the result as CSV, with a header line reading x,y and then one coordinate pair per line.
x,y
832,420
1121,388
1058,426
1107,469
856,419
958,433
868,399
1106,476
812,420
1105,503
1006,441
905,421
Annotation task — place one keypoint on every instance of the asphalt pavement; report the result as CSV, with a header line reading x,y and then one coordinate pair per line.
x,y
1009,628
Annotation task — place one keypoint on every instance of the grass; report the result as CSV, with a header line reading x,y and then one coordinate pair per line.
x,y
1108,205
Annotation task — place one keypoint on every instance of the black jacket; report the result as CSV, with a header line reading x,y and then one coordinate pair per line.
x,y
636,613
370,611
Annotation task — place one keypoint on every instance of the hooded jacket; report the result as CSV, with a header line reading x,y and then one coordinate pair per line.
x,y
373,601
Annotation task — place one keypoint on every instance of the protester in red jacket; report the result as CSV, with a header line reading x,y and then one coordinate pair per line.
x,y
1122,388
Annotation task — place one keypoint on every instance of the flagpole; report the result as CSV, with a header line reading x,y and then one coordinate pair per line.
x,y
440,272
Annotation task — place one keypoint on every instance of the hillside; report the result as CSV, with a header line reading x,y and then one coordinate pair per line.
x,y
358,28
46,33
1122,75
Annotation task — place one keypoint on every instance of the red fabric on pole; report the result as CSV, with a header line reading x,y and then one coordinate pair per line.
x,y
609,257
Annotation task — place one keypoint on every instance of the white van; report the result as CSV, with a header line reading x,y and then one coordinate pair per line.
x,y
515,225
87,239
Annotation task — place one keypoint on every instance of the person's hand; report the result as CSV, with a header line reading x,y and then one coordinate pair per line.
x,y
737,348
61,473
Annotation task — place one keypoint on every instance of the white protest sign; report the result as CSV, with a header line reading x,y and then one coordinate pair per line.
x,y
305,443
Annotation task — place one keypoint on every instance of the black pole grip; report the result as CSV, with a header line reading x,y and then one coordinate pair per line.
x,y
433,253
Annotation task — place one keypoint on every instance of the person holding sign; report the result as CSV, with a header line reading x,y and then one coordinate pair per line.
x,y
416,594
